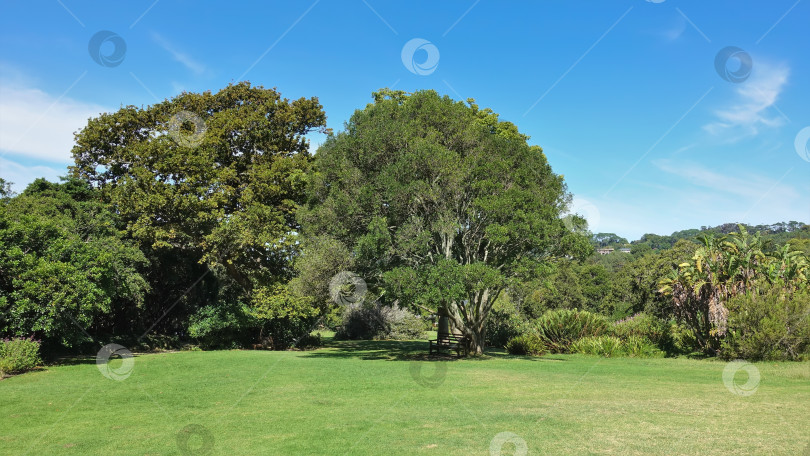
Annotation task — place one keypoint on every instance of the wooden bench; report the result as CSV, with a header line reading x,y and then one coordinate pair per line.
x,y
448,342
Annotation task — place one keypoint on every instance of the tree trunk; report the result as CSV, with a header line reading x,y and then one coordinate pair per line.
x,y
473,331
476,340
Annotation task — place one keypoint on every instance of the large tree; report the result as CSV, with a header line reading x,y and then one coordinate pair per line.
x,y
441,204
206,181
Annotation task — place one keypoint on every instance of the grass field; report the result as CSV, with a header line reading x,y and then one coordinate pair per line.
x,y
375,398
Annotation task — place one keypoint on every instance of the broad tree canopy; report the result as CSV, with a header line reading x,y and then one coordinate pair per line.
x,y
215,176
440,203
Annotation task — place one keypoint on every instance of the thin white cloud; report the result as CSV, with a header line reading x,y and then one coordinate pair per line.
x,y
683,149
21,175
676,30
711,196
38,125
744,185
750,111
183,58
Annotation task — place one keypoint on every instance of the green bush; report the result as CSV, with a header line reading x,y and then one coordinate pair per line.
x,y
607,346
152,342
558,329
309,341
641,347
375,322
284,332
18,355
771,325
502,326
223,326
645,326
526,344
682,340
612,347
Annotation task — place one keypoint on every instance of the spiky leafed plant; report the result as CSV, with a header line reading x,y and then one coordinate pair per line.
x,y
788,269
724,267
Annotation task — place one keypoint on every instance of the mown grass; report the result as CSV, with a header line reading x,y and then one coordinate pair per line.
x,y
373,398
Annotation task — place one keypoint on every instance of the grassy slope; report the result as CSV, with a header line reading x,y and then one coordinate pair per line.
x,y
362,398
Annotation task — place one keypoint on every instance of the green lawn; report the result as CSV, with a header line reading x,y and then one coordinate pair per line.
x,y
377,398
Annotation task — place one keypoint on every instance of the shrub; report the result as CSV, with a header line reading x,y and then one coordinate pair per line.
x,y
771,325
558,329
612,346
309,341
152,342
18,355
284,332
526,344
682,340
224,325
502,326
641,347
375,322
607,346
645,326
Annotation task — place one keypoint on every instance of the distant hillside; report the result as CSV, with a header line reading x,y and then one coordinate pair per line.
x,y
778,233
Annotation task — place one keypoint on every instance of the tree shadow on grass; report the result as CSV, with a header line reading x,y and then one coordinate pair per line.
x,y
403,350
71,360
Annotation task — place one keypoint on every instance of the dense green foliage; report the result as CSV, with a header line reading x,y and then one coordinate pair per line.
x,y
66,272
606,346
559,329
441,204
612,346
204,220
644,326
727,267
526,344
502,325
769,325
18,355
178,220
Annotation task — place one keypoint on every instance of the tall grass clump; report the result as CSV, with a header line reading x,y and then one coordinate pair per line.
x,y
614,347
607,346
558,329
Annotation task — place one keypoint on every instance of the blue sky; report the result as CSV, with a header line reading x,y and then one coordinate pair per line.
x,y
625,97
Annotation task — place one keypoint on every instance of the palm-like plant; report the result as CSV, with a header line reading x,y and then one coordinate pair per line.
x,y
724,267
